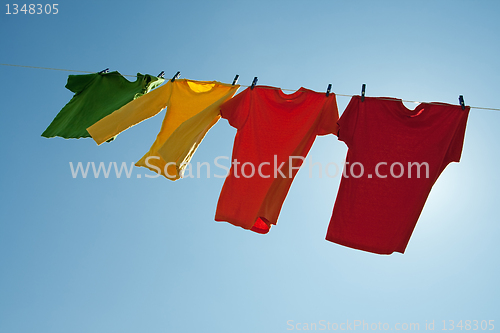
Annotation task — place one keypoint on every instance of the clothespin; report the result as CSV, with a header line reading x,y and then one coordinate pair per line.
x,y
363,87
328,90
235,79
254,83
461,101
176,76
104,71
161,75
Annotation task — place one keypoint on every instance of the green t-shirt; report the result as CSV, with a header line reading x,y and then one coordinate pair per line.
x,y
96,96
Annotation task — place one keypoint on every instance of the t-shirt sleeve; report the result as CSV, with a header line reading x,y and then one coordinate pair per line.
x,y
235,110
329,117
455,149
347,121
130,114
77,83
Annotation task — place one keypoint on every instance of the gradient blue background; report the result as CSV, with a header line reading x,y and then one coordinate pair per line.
x,y
145,255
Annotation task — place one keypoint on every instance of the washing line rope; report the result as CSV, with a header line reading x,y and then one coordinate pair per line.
x,y
343,95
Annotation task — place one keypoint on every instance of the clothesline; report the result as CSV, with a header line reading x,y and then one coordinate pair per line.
x,y
128,75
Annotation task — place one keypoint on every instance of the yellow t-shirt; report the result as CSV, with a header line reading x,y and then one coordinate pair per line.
x,y
184,99
181,145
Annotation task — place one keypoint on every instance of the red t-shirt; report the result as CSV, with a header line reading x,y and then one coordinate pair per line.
x,y
273,129
378,210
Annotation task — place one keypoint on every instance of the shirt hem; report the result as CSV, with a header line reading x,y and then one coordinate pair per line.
x,y
361,247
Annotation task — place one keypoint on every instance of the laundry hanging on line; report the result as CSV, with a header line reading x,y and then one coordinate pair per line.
x,y
183,99
272,126
394,158
96,96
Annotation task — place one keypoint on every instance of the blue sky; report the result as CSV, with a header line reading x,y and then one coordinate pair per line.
x,y
145,255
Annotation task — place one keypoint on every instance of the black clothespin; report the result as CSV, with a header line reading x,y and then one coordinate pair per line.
x,y
461,101
328,90
363,88
161,75
254,82
104,71
235,79
176,76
